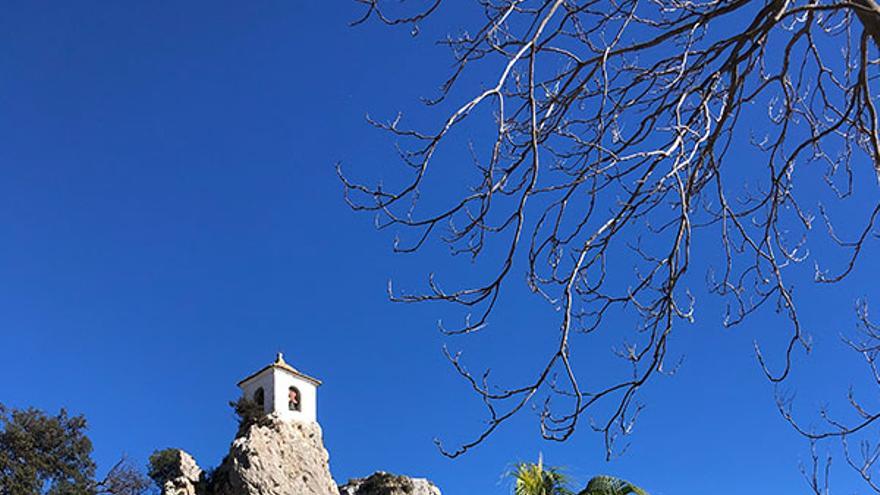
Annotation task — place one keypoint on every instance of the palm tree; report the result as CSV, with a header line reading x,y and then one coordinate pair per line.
x,y
609,485
536,479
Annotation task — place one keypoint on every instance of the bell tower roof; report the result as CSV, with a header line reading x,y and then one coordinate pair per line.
x,y
281,364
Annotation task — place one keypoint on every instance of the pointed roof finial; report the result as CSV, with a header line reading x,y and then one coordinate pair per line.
x,y
279,358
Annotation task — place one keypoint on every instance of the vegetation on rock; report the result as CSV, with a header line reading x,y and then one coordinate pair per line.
x,y
164,465
248,413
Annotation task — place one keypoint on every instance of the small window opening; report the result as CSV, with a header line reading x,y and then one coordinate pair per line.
x,y
260,397
294,399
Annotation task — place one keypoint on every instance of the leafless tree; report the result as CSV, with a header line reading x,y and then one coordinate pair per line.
x,y
623,131
123,479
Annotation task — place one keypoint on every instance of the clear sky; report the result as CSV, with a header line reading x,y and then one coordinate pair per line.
x,y
170,218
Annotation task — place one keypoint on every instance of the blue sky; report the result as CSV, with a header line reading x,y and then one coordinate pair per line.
x,y
170,218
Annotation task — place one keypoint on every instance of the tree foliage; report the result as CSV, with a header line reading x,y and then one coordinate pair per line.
x,y
42,454
163,465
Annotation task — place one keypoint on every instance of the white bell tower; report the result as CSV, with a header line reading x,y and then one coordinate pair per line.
x,y
282,389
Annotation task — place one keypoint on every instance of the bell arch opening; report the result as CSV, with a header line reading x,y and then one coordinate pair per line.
x,y
294,399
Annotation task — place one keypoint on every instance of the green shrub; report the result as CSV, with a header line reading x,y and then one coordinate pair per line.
x,y
164,465
248,412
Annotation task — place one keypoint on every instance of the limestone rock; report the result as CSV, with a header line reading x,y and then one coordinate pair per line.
x,y
185,476
275,457
382,483
271,456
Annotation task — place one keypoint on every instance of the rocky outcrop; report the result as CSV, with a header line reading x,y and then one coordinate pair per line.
x,y
382,483
275,457
270,456
183,475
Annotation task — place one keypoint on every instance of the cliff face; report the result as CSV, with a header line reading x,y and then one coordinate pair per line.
x,y
276,457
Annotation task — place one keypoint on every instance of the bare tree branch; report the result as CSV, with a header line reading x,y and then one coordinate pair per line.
x,y
624,131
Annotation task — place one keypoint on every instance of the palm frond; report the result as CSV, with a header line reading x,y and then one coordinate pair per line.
x,y
536,479
609,485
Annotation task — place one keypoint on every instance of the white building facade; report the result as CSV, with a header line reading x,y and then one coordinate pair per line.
x,y
282,389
